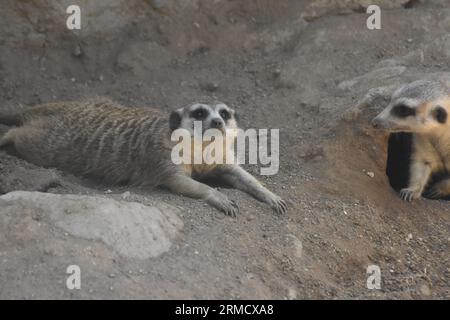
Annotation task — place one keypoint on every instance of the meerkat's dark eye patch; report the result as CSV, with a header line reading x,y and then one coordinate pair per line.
x,y
440,114
225,114
199,114
174,120
403,111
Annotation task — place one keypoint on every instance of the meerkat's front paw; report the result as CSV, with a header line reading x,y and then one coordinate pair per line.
x,y
439,190
409,194
221,202
434,193
277,204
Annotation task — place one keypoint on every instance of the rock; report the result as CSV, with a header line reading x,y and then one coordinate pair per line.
x,y
77,51
126,195
388,63
374,78
133,230
409,238
157,4
210,86
296,245
425,290
318,8
276,73
292,294
36,40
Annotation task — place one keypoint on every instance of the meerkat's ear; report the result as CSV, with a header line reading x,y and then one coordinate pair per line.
x,y
440,114
175,119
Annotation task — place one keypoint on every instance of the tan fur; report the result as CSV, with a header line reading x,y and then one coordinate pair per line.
x,y
204,168
431,154
425,113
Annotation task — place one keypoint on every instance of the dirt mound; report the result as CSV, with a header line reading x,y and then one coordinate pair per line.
x,y
414,236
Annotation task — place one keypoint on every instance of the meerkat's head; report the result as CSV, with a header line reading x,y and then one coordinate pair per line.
x,y
419,107
213,115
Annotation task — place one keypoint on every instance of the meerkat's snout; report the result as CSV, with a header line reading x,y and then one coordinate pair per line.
x,y
383,122
217,123
376,123
400,116
220,117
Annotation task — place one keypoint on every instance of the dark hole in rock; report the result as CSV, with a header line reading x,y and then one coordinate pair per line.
x,y
399,160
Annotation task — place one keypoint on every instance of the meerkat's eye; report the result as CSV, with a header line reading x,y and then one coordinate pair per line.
x,y
403,111
199,114
225,114
440,114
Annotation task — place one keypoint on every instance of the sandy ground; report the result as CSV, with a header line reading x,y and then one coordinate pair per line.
x,y
278,70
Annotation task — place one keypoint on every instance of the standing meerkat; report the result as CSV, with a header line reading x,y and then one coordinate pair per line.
x,y
104,140
422,108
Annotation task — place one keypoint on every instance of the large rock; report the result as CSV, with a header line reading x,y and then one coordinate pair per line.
x,y
133,230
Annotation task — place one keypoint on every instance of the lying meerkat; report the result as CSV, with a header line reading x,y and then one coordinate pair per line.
x,y
421,108
104,140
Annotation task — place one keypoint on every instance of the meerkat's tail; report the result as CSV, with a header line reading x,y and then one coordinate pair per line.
x,y
11,118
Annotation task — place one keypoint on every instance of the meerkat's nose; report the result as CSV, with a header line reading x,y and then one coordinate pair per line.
x,y
217,123
376,123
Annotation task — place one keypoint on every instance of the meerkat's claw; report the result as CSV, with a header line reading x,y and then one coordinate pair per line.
x,y
439,190
433,194
232,209
409,195
222,203
283,206
278,204
280,207
233,213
